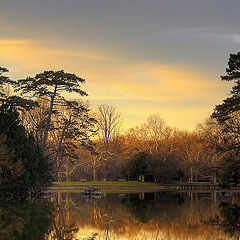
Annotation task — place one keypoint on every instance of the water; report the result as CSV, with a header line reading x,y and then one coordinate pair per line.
x,y
150,216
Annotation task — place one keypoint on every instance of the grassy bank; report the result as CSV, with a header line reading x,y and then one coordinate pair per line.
x,y
106,186
106,191
106,183
135,187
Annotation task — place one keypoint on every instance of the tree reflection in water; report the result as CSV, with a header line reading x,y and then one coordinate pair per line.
x,y
163,215
228,219
34,221
139,207
155,216
143,207
25,221
62,228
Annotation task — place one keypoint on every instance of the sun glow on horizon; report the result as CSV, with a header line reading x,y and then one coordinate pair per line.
x,y
183,96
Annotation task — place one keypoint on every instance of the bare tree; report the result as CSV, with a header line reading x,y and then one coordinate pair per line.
x,y
109,123
156,131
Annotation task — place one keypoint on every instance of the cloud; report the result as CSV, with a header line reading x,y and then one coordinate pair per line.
x,y
31,54
137,88
110,78
168,83
181,82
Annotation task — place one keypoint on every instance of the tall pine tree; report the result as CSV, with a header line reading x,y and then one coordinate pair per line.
x,y
227,113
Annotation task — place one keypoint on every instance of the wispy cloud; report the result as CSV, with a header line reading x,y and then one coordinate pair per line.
x,y
137,88
168,83
32,54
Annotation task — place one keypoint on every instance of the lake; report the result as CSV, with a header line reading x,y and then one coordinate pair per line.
x,y
151,216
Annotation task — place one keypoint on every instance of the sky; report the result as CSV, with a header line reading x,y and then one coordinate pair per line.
x,y
141,56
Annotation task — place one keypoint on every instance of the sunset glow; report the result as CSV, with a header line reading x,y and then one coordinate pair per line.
x,y
141,57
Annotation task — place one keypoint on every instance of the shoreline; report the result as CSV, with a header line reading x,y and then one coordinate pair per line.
x,y
111,186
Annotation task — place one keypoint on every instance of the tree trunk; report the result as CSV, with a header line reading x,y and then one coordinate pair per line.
x,y
214,177
191,170
94,174
46,130
58,176
67,176
196,175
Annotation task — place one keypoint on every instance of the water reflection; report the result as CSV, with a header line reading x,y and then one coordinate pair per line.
x,y
163,215
34,221
28,221
139,207
228,219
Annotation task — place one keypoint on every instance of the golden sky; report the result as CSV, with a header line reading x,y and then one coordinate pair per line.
x,y
137,58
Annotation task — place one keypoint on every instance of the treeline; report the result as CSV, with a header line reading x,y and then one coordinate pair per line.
x,y
164,154
156,151
89,145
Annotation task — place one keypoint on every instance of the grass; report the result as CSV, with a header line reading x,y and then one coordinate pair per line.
x,y
150,186
144,190
106,183
105,191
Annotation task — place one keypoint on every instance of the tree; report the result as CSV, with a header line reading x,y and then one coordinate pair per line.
x,y
229,171
165,167
21,156
50,85
99,160
151,136
156,132
136,166
3,80
156,127
227,113
59,125
9,170
108,123
227,116
74,131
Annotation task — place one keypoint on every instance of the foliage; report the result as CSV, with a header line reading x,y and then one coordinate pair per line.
x,y
63,128
50,85
136,166
23,156
231,104
3,81
180,174
59,125
167,150
9,170
227,113
164,168
73,130
227,116
229,171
